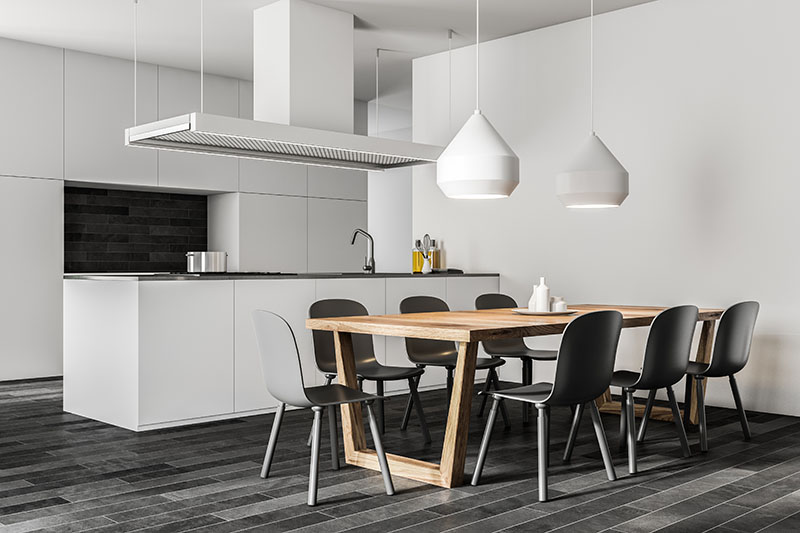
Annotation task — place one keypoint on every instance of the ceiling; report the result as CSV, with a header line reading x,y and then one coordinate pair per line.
x,y
169,29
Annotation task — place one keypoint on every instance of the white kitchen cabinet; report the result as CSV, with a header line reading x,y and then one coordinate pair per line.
x,y
186,355
98,106
398,289
179,93
371,293
325,182
32,110
288,298
31,225
330,229
272,232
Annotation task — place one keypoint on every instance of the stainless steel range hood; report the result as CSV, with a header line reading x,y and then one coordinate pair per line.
x,y
214,134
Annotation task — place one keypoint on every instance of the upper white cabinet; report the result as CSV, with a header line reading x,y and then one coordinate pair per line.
x,y
98,106
271,177
179,93
31,107
325,182
330,228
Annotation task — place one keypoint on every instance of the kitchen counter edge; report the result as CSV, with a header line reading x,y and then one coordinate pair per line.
x,y
244,276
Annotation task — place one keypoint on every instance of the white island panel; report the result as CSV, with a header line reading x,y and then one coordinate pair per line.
x,y
288,298
101,350
185,350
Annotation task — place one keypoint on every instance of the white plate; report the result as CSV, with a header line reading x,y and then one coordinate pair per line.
x,y
526,311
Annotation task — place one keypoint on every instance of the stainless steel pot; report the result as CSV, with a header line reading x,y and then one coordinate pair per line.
x,y
206,261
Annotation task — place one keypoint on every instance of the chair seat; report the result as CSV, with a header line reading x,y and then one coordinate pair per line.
x,y
529,353
625,378
336,394
535,393
695,369
378,372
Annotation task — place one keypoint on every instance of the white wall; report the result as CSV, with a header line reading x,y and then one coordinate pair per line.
x,y
699,100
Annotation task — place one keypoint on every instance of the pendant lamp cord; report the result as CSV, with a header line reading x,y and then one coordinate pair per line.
x,y
478,55
202,57
591,66
449,81
377,91
135,55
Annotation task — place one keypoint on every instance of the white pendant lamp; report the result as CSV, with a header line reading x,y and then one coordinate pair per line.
x,y
594,178
478,163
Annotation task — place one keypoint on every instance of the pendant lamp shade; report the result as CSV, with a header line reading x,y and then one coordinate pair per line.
x,y
478,163
594,178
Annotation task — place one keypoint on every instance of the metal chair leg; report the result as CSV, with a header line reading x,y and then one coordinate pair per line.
x,y
687,400
273,440
449,383
623,420
630,415
328,379
487,437
738,400
409,403
648,408
573,432
701,413
597,422
486,386
379,407
360,383
314,471
495,381
414,398
676,416
334,438
527,379
543,433
376,438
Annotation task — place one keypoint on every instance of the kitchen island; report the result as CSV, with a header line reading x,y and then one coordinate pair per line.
x,y
148,351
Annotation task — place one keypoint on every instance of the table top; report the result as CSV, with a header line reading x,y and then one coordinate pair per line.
x,y
472,326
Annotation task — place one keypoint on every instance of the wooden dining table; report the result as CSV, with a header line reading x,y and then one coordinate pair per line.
x,y
468,329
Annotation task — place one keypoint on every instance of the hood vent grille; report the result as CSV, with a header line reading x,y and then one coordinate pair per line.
x,y
218,135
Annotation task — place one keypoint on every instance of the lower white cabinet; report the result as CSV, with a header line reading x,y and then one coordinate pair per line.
x,y
397,289
369,292
288,298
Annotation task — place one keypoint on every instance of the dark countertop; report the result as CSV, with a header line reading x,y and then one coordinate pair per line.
x,y
166,276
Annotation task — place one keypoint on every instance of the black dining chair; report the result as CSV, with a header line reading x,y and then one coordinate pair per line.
x,y
283,375
584,367
367,366
510,348
730,355
428,352
666,358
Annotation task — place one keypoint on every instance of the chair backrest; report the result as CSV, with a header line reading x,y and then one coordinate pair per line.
x,y
280,359
500,346
424,349
669,344
324,348
586,357
734,336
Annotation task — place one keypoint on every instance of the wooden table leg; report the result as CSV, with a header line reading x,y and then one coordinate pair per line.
x,y
703,356
450,472
352,422
454,450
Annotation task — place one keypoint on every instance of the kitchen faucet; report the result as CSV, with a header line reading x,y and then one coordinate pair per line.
x,y
369,260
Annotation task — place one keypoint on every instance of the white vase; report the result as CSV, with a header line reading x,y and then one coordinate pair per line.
x,y
426,266
542,297
532,300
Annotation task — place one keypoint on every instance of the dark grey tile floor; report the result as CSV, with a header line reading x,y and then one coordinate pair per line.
x,y
60,472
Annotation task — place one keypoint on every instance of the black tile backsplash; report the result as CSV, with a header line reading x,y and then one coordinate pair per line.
x,y
108,230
